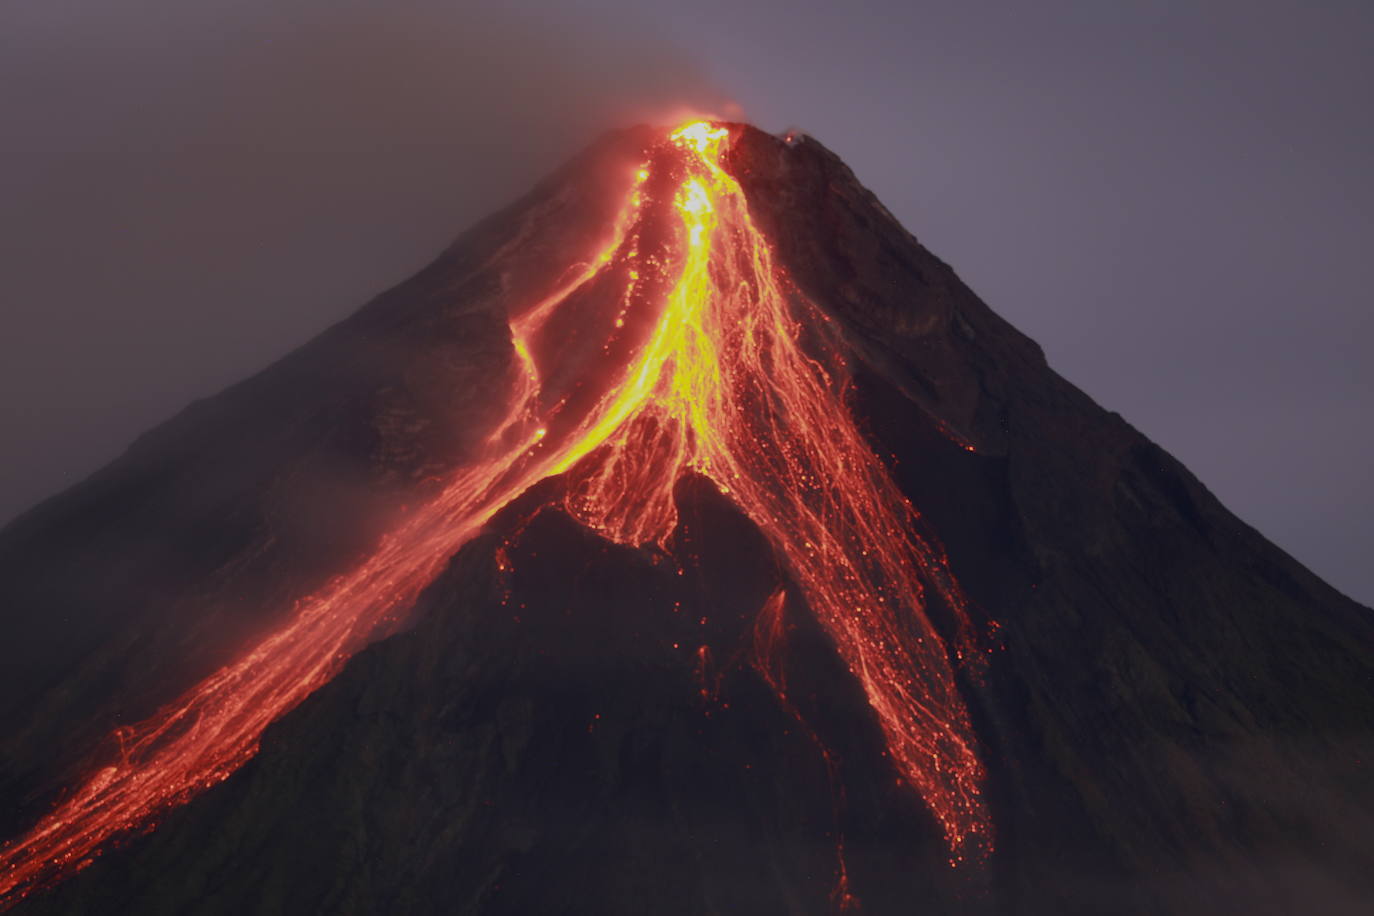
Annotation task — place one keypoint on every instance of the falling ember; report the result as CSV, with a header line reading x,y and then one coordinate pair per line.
x,y
707,372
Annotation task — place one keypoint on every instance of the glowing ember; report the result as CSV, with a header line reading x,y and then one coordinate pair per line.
x,y
708,373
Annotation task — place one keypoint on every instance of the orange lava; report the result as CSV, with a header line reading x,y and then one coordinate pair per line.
x,y
720,376
725,387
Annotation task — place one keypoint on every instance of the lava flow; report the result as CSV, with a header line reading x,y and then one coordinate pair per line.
x,y
715,366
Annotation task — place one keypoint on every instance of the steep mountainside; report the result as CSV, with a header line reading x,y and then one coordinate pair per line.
x,y
1171,716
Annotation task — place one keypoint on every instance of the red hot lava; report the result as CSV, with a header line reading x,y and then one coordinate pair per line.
x,y
712,378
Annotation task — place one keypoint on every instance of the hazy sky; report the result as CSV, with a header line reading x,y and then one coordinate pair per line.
x,y
1174,198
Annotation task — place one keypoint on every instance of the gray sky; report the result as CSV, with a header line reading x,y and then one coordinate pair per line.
x,y
1173,198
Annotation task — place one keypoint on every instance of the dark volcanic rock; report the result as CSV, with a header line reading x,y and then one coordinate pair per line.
x,y
546,742
1182,716
1177,717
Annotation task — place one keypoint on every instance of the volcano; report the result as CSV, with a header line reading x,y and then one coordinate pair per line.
x,y
685,538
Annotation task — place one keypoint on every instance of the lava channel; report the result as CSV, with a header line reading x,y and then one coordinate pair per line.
x,y
713,367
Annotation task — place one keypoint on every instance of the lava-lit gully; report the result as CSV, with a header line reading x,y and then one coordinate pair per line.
x,y
711,368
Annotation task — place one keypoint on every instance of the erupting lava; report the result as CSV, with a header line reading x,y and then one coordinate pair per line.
x,y
712,370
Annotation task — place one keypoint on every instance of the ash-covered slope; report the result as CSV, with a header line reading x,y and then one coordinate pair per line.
x,y
121,591
1175,717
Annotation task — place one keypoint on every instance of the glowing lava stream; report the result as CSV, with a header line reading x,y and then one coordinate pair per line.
x,y
722,386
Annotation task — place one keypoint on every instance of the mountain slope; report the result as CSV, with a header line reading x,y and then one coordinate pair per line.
x,y
1174,715
124,589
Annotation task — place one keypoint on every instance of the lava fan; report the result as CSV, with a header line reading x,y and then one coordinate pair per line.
x,y
685,538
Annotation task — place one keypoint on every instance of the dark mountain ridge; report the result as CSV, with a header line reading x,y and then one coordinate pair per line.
x,y
1176,716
